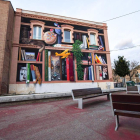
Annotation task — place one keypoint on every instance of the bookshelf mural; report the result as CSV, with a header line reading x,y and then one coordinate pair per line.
x,y
58,63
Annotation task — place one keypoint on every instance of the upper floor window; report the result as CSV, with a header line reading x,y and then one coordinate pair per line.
x,y
67,37
37,31
67,33
92,39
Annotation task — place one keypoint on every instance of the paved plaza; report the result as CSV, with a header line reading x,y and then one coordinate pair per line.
x,y
62,120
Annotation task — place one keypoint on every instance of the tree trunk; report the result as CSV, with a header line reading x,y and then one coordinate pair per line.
x,y
124,84
130,78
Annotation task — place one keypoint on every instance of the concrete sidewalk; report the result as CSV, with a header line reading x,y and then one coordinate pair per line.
x,y
16,98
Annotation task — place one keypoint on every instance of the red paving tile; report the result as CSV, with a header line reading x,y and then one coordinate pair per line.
x,y
62,120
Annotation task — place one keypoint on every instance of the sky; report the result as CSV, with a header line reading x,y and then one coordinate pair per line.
x,y
122,32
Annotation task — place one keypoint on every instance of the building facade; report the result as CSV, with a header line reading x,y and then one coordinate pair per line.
x,y
42,59
6,32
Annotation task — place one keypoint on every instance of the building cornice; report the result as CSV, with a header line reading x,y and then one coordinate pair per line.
x,y
62,19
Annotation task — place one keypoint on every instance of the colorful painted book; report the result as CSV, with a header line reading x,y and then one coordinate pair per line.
x,y
22,55
55,68
93,47
33,74
86,73
67,67
92,73
89,73
38,76
46,65
101,42
28,73
64,69
19,54
37,57
84,78
49,65
71,68
22,73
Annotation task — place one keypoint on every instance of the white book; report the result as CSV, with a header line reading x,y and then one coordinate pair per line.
x,y
22,55
92,72
49,65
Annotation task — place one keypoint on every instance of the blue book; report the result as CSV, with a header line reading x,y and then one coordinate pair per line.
x,y
101,41
90,74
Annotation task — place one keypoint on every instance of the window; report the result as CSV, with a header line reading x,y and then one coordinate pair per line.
x,y
37,32
67,36
92,39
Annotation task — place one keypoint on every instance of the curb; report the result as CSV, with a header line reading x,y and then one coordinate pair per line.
x,y
17,98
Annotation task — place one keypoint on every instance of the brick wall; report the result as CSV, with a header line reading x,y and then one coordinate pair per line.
x,y
6,33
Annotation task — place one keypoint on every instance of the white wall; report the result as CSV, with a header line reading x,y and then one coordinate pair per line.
x,y
54,87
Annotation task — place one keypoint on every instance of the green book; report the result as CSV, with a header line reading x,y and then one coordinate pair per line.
x,y
28,73
46,65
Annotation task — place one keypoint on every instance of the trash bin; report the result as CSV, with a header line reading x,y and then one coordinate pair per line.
x,y
130,83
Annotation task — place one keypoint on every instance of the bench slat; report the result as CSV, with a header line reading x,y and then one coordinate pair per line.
x,y
85,92
126,106
127,113
126,98
95,95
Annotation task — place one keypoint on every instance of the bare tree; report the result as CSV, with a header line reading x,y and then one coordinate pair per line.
x,y
133,68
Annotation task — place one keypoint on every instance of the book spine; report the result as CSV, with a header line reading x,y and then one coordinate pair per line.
x,y
92,73
89,71
37,57
74,70
71,70
22,55
33,73
38,75
84,74
49,65
28,73
46,65
67,67
19,53
101,41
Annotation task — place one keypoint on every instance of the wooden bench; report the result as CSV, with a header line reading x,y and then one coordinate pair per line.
x,y
82,94
132,89
125,105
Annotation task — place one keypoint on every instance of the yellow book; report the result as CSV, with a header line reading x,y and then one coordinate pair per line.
x,y
87,42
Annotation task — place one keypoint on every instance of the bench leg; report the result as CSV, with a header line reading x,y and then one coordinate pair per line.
x,y
117,122
80,103
108,97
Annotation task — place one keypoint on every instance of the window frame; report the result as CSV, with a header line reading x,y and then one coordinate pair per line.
x,y
95,32
36,23
68,28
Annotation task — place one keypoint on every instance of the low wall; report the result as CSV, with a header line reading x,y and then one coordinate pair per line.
x,y
54,87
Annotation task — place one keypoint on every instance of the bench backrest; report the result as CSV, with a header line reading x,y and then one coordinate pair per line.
x,y
128,102
87,91
132,89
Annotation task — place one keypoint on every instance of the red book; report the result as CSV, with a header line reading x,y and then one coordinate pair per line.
x,y
37,57
71,70
67,67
